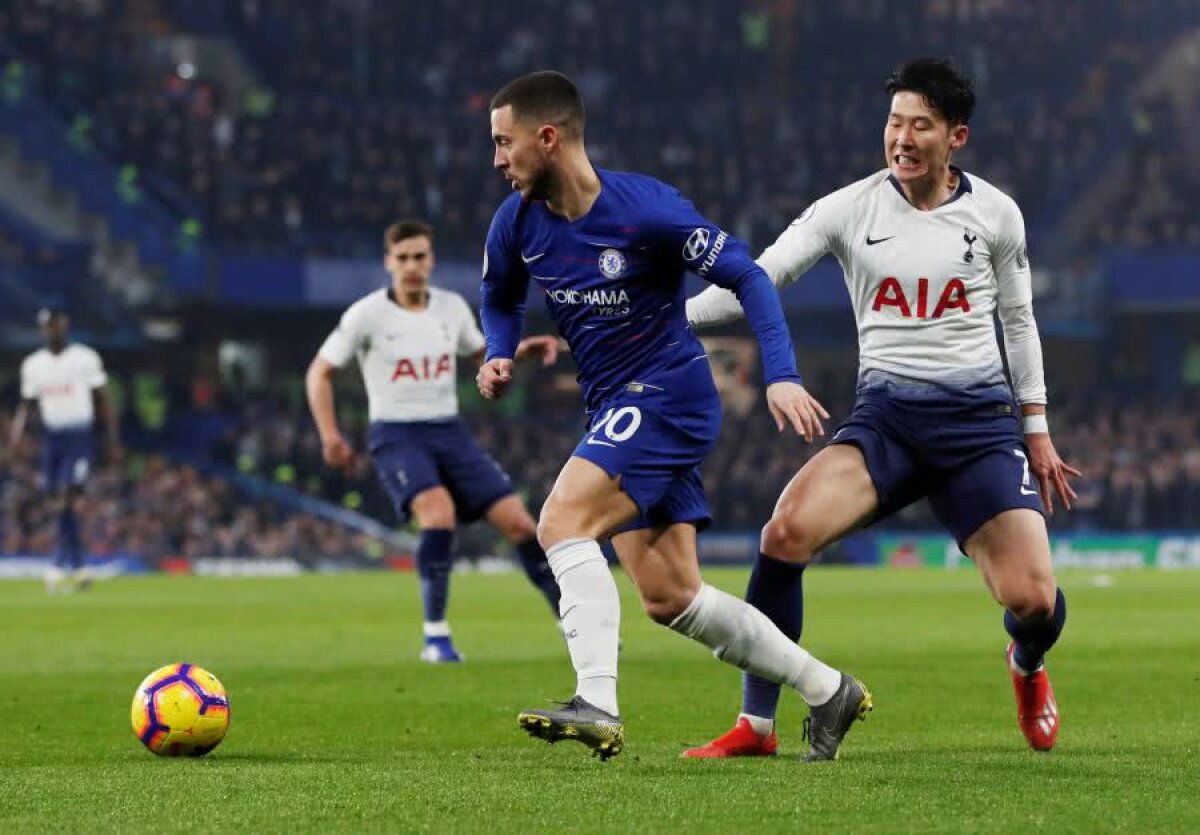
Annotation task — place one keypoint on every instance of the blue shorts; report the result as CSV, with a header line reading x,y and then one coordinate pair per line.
x,y
412,457
964,450
655,444
66,458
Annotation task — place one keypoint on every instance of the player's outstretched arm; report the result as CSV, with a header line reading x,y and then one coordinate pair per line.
x,y
318,385
794,253
713,306
1024,349
545,346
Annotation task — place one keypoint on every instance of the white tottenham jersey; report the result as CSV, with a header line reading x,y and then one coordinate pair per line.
x,y
924,284
62,385
407,357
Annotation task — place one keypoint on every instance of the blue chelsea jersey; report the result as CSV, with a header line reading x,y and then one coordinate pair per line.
x,y
613,281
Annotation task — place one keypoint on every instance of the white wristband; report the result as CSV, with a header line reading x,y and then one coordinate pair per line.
x,y
1035,425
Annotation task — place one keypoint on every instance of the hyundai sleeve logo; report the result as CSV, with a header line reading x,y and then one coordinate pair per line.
x,y
696,244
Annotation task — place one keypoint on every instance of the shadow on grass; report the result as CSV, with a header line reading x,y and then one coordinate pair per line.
x,y
272,758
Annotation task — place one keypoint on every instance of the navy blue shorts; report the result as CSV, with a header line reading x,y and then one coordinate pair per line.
x,y
655,444
412,457
66,458
965,451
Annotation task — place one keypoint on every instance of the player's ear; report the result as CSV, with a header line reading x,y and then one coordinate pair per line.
x,y
548,137
958,136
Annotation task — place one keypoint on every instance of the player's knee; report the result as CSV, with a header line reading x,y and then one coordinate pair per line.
x,y
518,527
1031,600
786,539
434,510
547,532
559,522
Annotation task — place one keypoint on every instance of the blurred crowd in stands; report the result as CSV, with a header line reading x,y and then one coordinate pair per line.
x,y
1141,459
351,112
149,506
1159,199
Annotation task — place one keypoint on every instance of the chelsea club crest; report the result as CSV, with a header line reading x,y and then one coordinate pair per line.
x,y
612,263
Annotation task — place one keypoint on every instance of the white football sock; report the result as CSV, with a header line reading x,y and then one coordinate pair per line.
x,y
741,635
590,609
436,629
759,724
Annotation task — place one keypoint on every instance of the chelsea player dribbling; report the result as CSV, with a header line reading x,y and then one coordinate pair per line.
x,y
609,251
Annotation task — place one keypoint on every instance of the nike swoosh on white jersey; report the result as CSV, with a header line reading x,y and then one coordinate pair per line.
x,y
531,258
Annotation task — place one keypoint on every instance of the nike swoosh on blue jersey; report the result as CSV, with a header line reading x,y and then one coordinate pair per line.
x,y
530,259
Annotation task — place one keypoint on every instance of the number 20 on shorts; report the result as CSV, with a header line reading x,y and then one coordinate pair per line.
x,y
617,425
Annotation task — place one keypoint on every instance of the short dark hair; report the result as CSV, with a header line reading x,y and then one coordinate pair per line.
x,y
940,82
402,230
546,97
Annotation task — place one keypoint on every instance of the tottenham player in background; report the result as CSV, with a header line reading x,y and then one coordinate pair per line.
x,y
65,381
406,338
609,251
930,253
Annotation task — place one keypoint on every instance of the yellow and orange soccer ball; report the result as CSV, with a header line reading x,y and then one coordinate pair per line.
x,y
180,710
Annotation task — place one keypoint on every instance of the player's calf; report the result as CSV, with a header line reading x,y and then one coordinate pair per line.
x,y
663,604
1035,628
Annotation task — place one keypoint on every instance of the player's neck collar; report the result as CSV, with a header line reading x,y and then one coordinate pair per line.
x,y
391,294
964,187
590,206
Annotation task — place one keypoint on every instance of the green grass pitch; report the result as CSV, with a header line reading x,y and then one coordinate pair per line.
x,y
338,728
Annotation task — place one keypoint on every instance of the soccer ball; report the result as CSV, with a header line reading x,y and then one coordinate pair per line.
x,y
180,710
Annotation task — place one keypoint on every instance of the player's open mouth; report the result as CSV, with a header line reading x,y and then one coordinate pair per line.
x,y
906,164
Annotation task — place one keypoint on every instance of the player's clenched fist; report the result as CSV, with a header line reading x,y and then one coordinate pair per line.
x,y
336,452
791,403
493,377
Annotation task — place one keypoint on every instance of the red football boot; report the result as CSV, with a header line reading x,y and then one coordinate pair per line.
x,y
1037,712
742,741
